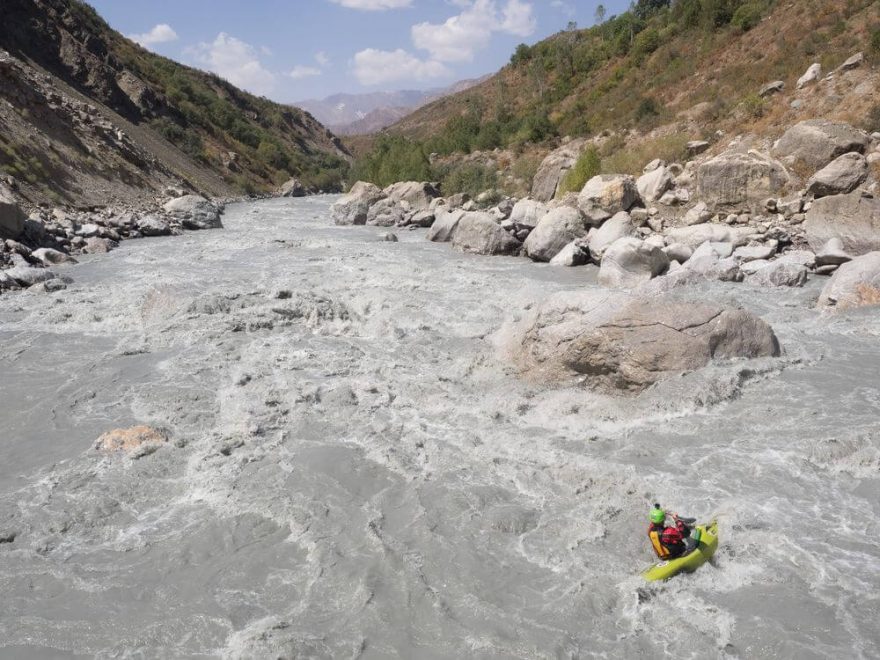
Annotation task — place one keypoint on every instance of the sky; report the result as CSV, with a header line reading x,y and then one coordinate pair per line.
x,y
292,50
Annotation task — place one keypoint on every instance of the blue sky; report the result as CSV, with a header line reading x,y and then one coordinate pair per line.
x,y
291,50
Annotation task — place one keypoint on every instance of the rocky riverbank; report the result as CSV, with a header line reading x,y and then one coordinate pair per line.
x,y
800,208
34,244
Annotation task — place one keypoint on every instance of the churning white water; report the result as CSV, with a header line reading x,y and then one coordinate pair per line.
x,y
353,473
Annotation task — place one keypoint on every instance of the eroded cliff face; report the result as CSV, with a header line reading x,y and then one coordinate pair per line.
x,y
90,118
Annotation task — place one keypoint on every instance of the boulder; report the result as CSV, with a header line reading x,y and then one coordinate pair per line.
x,y
385,213
95,245
629,262
619,226
842,175
695,147
554,168
50,257
678,252
854,284
528,212
853,62
812,144
572,254
803,258
753,253
696,235
478,233
697,215
136,441
152,225
12,218
194,212
779,273
811,75
774,87
445,224
740,180
832,254
292,188
553,232
654,183
421,219
418,194
712,267
619,344
609,192
853,218
26,276
352,208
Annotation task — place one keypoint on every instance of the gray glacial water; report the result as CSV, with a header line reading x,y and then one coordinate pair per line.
x,y
354,474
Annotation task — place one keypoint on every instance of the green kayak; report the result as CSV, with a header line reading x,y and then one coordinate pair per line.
x,y
690,562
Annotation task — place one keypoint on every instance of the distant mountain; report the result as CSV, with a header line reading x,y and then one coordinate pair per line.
x,y
359,114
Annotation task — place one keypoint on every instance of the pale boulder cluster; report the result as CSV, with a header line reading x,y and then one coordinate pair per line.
x,y
741,215
33,247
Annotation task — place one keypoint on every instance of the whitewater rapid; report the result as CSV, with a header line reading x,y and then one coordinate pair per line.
x,y
353,473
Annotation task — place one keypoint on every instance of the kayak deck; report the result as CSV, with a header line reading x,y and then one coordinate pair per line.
x,y
689,562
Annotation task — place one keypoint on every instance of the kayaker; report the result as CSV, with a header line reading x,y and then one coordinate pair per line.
x,y
668,542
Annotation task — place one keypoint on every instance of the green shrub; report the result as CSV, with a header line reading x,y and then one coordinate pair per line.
x,y
588,165
875,41
394,159
748,16
754,106
470,178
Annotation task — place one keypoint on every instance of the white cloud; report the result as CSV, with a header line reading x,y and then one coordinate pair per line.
x,y
461,36
236,61
160,34
299,72
377,67
374,5
322,58
565,7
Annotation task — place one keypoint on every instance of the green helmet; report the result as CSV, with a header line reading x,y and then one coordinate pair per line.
x,y
658,515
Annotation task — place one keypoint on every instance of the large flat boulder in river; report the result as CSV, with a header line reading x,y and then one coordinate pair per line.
x,y
445,224
854,284
852,218
194,212
480,234
418,194
619,343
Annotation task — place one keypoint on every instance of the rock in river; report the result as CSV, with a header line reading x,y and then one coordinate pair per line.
x,y
623,344
136,441
554,231
854,284
480,234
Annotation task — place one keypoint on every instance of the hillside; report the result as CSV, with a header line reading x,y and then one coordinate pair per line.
x,y
662,72
92,118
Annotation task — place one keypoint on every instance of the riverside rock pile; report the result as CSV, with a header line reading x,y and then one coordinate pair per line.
x,y
740,215
31,247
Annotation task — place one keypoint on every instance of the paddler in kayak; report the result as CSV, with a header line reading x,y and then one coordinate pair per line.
x,y
670,542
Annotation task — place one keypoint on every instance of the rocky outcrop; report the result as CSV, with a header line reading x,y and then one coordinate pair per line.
x,y
629,262
293,188
352,209
854,284
554,231
478,233
617,227
12,218
812,144
610,192
853,218
194,212
554,168
842,175
622,344
445,224
736,180
135,442
528,212
418,195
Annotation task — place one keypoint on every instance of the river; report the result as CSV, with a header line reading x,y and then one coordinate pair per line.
x,y
353,472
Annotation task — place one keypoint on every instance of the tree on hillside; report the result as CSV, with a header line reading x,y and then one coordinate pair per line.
x,y
600,14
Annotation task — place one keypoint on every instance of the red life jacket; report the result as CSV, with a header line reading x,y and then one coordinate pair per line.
x,y
668,542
